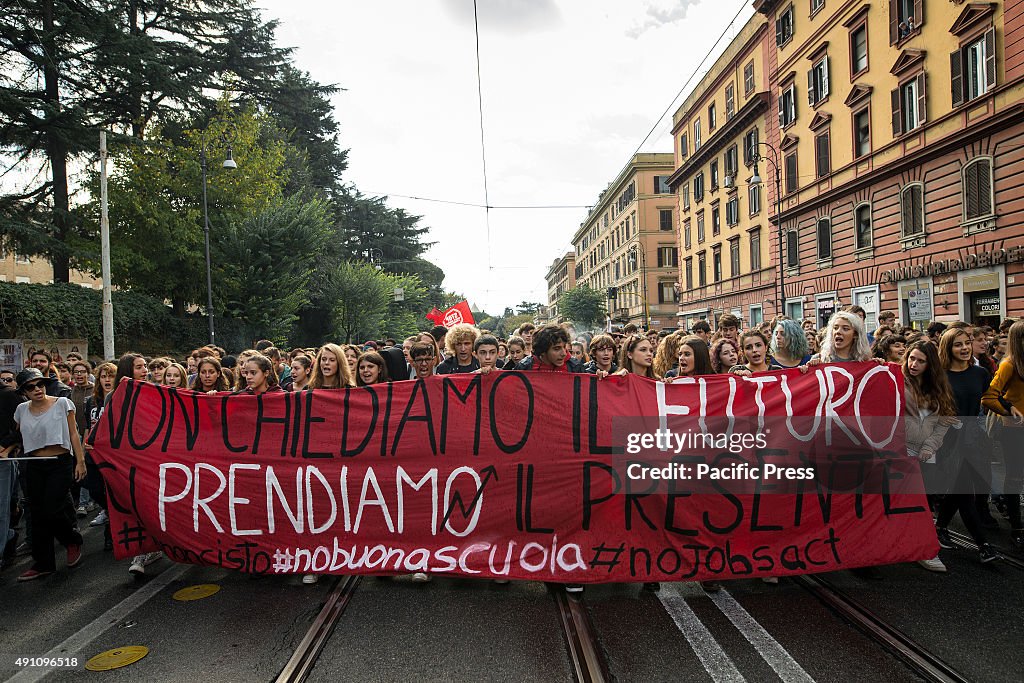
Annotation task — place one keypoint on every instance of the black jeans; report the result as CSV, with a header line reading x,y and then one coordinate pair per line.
x,y
1012,439
53,513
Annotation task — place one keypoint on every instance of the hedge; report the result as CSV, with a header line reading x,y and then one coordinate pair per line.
x,y
141,323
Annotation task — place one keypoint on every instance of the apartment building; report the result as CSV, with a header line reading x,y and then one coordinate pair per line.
x,y
17,268
900,127
724,232
628,244
561,277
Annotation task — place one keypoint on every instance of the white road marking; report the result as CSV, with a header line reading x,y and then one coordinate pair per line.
x,y
716,662
77,642
770,650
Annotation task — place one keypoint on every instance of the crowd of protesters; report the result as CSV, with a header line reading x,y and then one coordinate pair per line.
x,y
964,388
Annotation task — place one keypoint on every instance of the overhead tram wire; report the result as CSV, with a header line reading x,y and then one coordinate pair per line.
x,y
693,75
483,145
482,206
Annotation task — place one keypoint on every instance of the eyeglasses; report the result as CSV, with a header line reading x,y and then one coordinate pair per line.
x,y
7,380
32,386
428,359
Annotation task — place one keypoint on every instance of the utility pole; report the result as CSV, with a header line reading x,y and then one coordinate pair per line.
x,y
108,306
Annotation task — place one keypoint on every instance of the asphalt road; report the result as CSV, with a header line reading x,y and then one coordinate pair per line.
x,y
467,630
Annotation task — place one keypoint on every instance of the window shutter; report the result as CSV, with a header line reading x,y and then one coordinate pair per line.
x,y
897,114
894,22
956,79
971,191
792,103
782,109
906,211
810,87
917,206
990,58
918,13
922,100
984,187
824,78
661,258
778,31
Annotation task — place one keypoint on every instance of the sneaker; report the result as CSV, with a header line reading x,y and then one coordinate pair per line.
x,y
100,519
945,541
420,577
138,566
711,586
773,580
310,579
574,588
81,511
74,555
933,565
987,554
32,575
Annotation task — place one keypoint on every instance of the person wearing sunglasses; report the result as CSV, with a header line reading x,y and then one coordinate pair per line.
x,y
49,437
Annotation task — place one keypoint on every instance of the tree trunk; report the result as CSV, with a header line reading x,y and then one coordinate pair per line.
x,y
57,149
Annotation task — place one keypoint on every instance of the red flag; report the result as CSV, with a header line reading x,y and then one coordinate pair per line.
x,y
459,313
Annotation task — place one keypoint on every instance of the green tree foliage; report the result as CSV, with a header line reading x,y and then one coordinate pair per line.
x,y
156,209
527,307
267,261
361,297
583,305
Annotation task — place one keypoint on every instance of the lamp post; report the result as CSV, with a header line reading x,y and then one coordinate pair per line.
x,y
376,256
634,248
229,162
756,180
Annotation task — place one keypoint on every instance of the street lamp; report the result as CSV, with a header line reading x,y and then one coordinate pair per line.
x,y
228,163
633,249
376,256
756,156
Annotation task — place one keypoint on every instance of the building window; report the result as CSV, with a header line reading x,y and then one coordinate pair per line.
x,y
817,82
668,257
716,228
750,146
816,6
861,133
905,18
698,187
665,219
731,166
686,196
748,78
792,249
730,101
912,210
792,180
661,185
784,27
824,239
713,172
689,273
702,263
686,234
696,135
908,105
787,106
754,199
716,262
667,293
862,225
859,50
755,250
734,257
683,151
973,69
978,197
822,155
712,117
732,210
700,227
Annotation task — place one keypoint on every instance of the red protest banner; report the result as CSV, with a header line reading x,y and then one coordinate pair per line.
x,y
522,475
459,313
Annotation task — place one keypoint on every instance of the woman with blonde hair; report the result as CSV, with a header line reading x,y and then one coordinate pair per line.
x,y
331,369
175,376
667,355
637,357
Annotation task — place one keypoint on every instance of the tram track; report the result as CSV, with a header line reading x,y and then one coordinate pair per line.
x,y
302,661
967,543
588,664
922,661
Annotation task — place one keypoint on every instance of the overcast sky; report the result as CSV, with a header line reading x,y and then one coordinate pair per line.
x,y
570,89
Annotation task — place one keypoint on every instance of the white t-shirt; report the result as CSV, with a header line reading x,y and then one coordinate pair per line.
x,y
48,429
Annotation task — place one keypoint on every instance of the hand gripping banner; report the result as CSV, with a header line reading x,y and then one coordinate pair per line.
x,y
542,476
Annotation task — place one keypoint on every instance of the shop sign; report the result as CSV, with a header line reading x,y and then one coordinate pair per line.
x,y
984,259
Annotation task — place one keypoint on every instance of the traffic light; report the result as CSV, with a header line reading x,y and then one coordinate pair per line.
x,y
612,292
